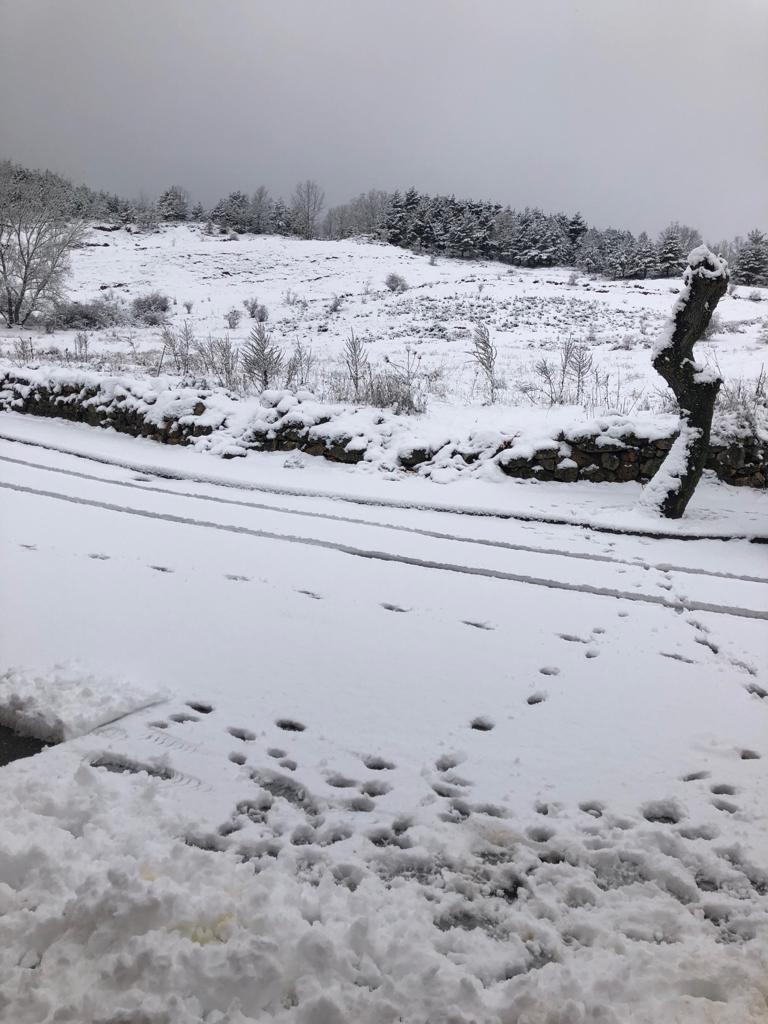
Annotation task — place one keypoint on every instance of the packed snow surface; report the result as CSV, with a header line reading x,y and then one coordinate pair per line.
x,y
412,764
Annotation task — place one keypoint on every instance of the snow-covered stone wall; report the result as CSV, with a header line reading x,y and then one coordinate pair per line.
x,y
611,448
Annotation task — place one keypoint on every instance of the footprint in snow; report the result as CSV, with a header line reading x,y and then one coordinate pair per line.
x,y
592,807
722,789
161,568
662,812
756,691
749,755
447,761
478,625
236,758
183,716
377,764
310,593
339,781
375,787
695,776
235,578
203,709
241,734
592,652
549,670
290,725
99,557
393,607
29,547
572,639
482,723
725,805
536,698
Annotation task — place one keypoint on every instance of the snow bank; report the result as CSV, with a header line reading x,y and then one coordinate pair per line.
x,y
65,701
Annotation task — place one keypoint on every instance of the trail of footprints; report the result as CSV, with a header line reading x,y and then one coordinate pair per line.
x,y
476,890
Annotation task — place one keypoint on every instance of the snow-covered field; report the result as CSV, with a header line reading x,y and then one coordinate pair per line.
x,y
402,764
338,747
529,313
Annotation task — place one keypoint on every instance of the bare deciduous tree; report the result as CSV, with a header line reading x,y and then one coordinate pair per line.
x,y
705,281
38,229
306,205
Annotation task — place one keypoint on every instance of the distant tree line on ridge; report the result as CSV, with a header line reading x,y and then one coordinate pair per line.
x,y
436,225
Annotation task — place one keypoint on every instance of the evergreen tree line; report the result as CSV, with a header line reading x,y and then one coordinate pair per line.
x,y
432,224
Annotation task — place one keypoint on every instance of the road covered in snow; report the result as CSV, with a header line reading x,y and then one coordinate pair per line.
x,y
366,760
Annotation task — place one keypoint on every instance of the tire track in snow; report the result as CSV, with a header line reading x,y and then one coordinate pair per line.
x,y
413,506
386,556
401,528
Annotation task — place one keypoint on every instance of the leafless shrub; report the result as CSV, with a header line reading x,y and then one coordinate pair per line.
x,y
563,382
251,305
335,304
396,283
233,317
356,362
745,396
188,306
81,347
23,351
291,298
219,358
183,348
484,353
299,370
262,361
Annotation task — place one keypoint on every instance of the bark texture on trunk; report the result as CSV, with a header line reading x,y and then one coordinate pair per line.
x,y
704,283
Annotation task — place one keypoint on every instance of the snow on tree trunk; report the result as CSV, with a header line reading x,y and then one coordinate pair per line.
x,y
704,283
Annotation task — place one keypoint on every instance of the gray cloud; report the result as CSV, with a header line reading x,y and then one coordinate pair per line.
x,y
634,111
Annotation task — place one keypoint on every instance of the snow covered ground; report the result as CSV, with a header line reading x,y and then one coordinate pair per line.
x,y
405,761
529,313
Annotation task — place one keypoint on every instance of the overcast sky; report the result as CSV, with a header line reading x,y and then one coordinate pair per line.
x,y
636,112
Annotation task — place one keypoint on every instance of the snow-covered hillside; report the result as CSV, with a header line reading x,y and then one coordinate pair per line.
x,y
529,313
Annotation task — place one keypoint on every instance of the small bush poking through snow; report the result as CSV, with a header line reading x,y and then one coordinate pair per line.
x,y
262,361
85,316
151,308
396,283
232,317
484,353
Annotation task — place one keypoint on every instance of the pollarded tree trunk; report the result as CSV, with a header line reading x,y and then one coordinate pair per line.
x,y
704,283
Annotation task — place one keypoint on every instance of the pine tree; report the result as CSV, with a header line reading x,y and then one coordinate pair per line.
x,y
173,204
197,213
281,218
752,260
670,252
646,257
